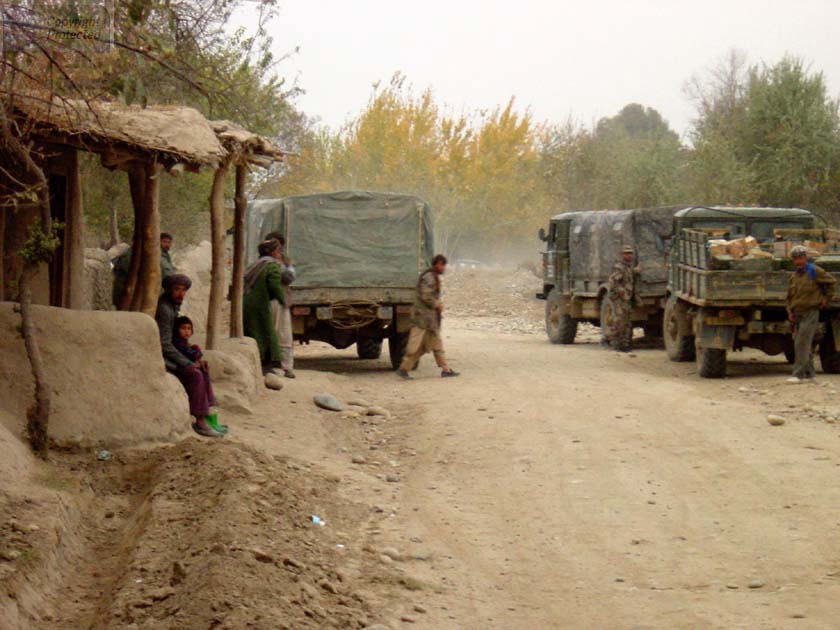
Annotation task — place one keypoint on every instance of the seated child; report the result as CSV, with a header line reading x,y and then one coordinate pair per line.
x,y
181,341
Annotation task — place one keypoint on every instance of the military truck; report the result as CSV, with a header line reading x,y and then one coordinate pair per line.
x,y
357,256
581,251
727,284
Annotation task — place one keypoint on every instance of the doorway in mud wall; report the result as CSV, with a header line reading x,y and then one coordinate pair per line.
x,y
58,210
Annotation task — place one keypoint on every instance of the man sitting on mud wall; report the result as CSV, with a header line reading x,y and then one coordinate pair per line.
x,y
189,372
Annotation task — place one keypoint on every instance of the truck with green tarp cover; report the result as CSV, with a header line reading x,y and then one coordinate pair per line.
x,y
727,286
357,257
582,248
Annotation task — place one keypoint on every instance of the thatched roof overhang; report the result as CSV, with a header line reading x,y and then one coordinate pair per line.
x,y
246,147
176,137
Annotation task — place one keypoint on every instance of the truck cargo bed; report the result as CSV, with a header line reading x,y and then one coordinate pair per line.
x,y
331,295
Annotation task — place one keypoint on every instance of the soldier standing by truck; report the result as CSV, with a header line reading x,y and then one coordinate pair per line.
x,y
425,322
620,292
810,288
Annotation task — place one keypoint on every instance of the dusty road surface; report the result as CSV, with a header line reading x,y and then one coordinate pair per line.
x,y
547,487
572,487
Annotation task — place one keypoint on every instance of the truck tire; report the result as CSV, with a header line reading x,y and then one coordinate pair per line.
x,y
397,344
368,348
829,357
711,362
560,327
680,347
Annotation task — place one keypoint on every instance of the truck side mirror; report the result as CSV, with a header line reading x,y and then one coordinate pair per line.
x,y
541,235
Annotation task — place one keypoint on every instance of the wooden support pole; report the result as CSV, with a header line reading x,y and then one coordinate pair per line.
x,y
136,177
217,270
74,241
150,265
237,328
2,254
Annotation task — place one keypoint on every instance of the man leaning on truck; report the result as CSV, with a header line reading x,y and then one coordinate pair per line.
x,y
425,322
810,288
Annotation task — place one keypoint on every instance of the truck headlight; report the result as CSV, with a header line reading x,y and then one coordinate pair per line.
x,y
324,312
384,312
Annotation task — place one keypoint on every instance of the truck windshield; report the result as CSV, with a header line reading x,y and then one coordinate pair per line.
x,y
733,229
763,230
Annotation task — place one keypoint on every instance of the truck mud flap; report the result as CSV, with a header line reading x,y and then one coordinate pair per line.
x,y
720,337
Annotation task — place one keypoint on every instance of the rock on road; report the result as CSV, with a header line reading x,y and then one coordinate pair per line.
x,y
571,487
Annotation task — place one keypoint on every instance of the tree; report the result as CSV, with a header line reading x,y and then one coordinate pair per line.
x,y
629,160
791,127
768,135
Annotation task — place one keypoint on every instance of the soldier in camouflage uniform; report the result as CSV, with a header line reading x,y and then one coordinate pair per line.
x,y
621,287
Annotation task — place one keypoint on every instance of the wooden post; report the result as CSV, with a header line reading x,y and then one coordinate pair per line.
x,y
2,254
150,264
136,179
74,242
217,270
237,328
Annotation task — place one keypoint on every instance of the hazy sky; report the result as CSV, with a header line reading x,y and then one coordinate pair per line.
x,y
587,59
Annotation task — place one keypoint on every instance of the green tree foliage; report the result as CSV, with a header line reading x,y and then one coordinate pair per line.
x,y
792,130
766,135
630,160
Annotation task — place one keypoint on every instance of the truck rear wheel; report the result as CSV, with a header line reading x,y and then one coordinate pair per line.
x,y
368,348
397,344
559,326
679,346
829,357
711,362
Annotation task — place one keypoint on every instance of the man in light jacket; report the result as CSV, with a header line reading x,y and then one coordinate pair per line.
x,y
426,322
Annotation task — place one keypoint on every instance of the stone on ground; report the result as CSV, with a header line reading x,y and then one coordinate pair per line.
x,y
273,381
328,402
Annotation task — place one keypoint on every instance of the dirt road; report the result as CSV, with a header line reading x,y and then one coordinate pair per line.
x,y
571,487
547,487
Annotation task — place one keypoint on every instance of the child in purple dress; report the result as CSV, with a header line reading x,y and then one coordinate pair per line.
x,y
181,341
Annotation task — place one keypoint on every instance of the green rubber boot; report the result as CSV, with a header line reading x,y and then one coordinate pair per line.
x,y
213,421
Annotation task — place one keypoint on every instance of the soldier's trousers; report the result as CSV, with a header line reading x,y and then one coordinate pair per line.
x,y
421,341
803,343
621,330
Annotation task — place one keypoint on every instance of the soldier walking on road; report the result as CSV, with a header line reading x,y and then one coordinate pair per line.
x,y
425,322
621,288
810,288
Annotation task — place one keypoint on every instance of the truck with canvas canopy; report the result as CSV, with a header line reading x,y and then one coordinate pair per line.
x,y
357,257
